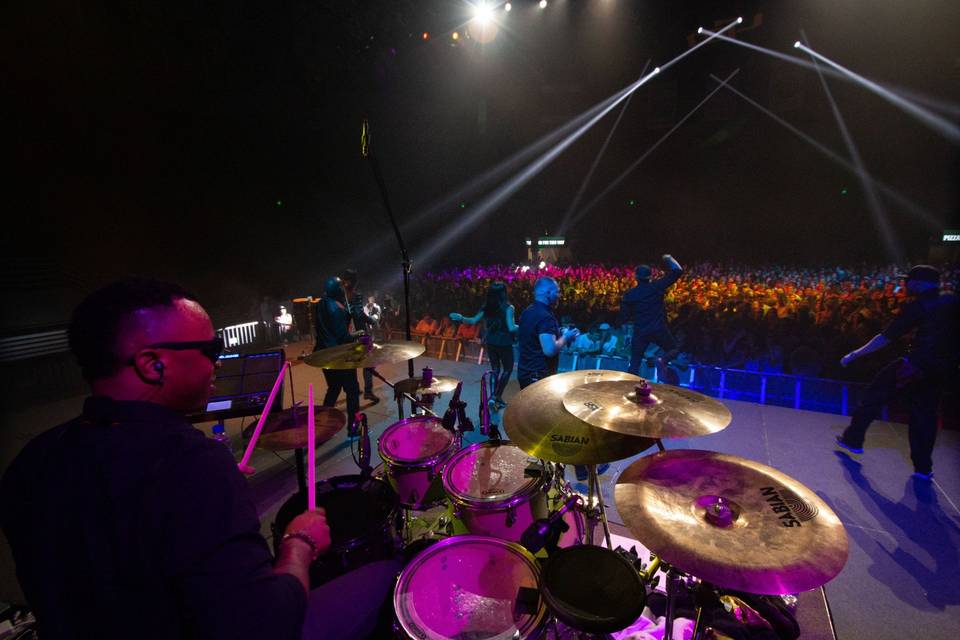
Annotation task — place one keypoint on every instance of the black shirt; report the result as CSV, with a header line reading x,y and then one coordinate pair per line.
x,y
496,328
535,320
643,305
935,346
333,324
128,523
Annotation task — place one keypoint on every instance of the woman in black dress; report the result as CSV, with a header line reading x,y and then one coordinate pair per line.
x,y
498,316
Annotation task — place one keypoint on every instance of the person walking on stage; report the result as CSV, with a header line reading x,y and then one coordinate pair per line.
x,y
498,317
930,364
333,328
643,306
361,322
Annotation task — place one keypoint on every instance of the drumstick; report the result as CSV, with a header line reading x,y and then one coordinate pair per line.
x,y
311,456
244,464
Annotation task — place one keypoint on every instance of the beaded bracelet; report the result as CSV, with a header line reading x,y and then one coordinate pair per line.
x,y
303,535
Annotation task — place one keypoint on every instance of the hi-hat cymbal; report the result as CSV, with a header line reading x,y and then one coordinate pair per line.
x,y
288,428
730,521
356,355
665,412
439,384
537,422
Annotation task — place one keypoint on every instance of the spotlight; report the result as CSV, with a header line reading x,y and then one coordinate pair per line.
x,y
699,30
543,4
425,35
656,69
507,7
455,35
796,45
482,13
740,20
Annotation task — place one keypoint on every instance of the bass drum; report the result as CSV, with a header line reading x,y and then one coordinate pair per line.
x,y
472,587
362,518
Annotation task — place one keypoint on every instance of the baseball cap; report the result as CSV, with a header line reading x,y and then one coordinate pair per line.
x,y
604,326
922,272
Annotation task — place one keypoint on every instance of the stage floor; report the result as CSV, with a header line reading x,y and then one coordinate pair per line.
x,y
903,573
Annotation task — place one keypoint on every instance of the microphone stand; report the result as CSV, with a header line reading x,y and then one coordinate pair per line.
x,y
406,264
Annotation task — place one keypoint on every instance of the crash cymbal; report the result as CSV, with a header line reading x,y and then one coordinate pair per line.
x,y
440,384
655,411
537,422
358,356
733,522
288,428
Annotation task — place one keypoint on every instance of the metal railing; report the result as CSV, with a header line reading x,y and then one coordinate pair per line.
x,y
238,335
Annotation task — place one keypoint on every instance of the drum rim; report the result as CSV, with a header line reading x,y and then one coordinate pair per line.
x,y
538,620
423,463
490,504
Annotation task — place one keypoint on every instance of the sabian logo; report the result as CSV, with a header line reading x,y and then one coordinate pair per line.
x,y
790,509
568,439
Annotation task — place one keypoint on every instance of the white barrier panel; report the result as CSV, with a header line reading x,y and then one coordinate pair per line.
x,y
239,334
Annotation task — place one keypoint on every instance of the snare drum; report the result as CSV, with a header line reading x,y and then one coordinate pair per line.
x,y
361,515
498,490
593,589
414,452
470,587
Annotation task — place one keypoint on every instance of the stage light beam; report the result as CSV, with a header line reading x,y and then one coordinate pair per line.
x,y
482,13
543,4
507,7
930,119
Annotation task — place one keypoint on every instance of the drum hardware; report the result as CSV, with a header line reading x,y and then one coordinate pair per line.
x,y
545,533
455,417
488,381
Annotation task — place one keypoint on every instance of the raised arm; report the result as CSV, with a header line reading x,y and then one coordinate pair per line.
x,y
457,317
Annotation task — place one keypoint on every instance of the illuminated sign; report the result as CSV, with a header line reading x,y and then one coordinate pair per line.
x,y
951,235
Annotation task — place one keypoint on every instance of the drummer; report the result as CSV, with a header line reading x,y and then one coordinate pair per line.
x,y
128,521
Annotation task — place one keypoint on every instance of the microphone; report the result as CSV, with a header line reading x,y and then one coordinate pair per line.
x,y
449,420
545,532
365,138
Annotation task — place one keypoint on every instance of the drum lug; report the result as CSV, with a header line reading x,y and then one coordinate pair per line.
x,y
511,516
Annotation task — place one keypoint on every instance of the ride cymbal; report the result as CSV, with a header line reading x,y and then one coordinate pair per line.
x,y
648,410
288,428
537,422
732,522
357,355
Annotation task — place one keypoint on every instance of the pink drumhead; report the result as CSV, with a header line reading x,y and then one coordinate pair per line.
x,y
419,439
488,473
467,587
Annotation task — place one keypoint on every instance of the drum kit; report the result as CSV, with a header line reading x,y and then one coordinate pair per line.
x,y
513,556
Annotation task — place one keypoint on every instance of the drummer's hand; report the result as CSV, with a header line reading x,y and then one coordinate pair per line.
x,y
314,524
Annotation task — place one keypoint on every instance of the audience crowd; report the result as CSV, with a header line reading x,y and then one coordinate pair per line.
x,y
776,319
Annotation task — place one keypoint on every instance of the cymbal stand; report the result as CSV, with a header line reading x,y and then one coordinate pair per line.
x,y
598,510
675,580
414,401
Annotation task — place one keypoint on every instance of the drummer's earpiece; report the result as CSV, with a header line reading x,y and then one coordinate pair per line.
x,y
158,366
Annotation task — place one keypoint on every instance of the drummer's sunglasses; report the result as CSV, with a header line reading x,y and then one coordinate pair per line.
x,y
213,349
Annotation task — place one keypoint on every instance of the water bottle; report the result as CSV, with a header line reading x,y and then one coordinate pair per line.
x,y
220,435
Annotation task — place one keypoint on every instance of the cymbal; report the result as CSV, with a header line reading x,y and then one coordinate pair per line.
x,y
666,412
288,428
357,356
440,384
731,521
537,422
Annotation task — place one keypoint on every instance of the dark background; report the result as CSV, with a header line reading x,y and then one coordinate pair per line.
x,y
217,143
